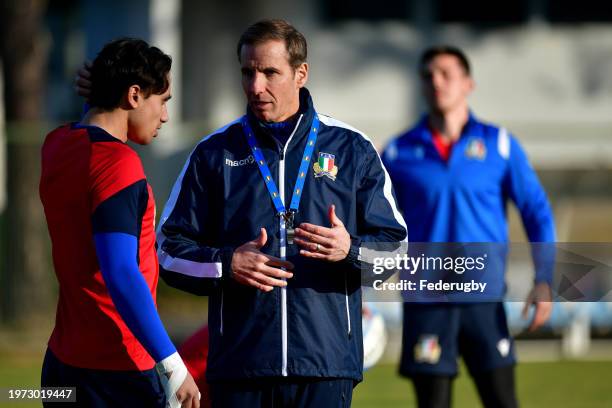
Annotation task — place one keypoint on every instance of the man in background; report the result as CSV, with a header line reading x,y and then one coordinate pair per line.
x,y
454,175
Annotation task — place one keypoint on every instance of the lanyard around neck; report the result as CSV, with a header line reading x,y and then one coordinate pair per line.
x,y
267,175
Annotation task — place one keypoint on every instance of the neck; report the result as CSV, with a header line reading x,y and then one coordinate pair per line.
x,y
113,122
287,120
290,116
449,124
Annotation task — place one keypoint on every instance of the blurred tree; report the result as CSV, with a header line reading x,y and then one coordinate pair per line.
x,y
25,280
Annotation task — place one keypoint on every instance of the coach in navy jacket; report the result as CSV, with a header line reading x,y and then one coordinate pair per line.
x,y
266,322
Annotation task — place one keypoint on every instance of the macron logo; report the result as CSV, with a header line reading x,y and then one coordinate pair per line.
x,y
244,162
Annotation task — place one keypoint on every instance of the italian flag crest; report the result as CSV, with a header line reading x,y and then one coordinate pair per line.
x,y
326,166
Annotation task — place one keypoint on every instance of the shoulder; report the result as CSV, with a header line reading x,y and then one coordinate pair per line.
x,y
114,166
60,131
220,138
498,137
346,134
400,142
116,156
54,145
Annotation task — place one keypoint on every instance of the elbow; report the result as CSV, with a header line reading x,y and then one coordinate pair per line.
x,y
190,284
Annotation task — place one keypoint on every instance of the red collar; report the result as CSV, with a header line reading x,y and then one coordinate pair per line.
x,y
442,144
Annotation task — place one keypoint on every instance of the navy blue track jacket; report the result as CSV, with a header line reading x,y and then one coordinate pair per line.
x,y
311,328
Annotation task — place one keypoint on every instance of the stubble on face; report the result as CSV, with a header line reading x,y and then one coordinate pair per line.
x,y
270,83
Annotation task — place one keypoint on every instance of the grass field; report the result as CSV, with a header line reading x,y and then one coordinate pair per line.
x,y
571,384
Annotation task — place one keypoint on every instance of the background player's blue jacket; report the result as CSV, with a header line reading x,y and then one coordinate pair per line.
x,y
465,199
219,202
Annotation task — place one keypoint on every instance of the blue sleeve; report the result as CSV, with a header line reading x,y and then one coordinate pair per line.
x,y
525,190
117,254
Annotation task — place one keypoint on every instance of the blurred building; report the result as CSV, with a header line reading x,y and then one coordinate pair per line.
x,y
543,69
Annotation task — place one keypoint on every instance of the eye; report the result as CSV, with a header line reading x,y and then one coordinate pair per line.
x,y
247,73
270,72
426,75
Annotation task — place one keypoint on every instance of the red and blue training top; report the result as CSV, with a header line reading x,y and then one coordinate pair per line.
x,y
94,183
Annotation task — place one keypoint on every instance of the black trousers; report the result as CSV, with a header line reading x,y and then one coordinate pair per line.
x,y
293,392
103,388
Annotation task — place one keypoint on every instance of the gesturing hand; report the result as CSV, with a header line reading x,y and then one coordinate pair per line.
x,y
252,267
329,244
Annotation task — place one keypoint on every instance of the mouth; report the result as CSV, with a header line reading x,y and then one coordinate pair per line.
x,y
259,104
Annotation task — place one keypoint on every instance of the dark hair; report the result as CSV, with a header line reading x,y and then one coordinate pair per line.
x,y
266,30
432,52
125,62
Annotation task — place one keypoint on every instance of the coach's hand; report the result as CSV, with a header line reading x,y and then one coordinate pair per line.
x,y
188,394
82,82
328,244
252,267
540,296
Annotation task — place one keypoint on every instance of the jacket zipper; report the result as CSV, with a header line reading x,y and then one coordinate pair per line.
x,y
283,249
346,300
221,315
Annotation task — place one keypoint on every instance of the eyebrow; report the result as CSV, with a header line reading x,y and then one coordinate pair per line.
x,y
246,70
167,98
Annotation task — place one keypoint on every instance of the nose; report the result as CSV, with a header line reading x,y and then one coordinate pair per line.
x,y
164,116
257,83
436,79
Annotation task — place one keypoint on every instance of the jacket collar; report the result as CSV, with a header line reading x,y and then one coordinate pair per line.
x,y
424,132
303,125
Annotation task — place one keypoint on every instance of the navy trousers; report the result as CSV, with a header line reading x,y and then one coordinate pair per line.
x,y
293,392
103,388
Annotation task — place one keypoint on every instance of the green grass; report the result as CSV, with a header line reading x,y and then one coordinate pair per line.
x,y
566,384
20,372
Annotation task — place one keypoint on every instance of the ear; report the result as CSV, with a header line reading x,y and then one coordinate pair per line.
x,y
133,96
469,85
301,75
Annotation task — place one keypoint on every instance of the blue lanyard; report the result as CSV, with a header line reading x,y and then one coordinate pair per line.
x,y
267,175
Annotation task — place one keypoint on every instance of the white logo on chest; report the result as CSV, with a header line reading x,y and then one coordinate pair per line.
x,y
244,162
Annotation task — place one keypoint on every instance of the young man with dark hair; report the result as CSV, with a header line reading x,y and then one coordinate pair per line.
x,y
267,217
454,175
100,213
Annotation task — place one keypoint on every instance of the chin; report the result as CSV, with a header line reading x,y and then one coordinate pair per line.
x,y
265,116
144,140
262,116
